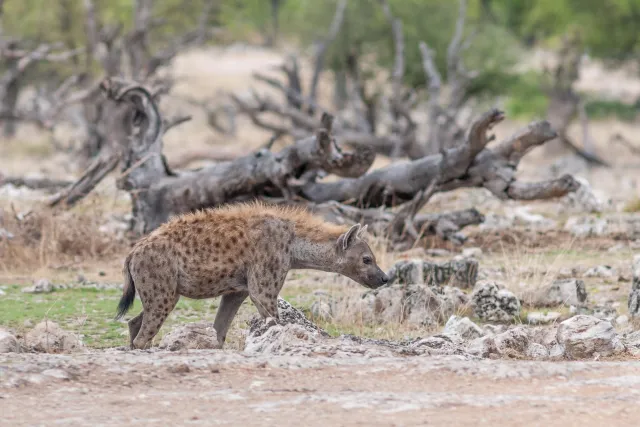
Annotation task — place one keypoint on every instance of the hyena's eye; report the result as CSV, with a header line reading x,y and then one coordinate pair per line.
x,y
367,260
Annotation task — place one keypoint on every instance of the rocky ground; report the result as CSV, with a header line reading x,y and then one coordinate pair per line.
x,y
294,372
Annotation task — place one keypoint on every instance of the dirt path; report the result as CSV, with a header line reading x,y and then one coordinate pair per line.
x,y
224,388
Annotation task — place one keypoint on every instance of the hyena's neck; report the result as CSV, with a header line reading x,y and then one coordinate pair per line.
x,y
317,255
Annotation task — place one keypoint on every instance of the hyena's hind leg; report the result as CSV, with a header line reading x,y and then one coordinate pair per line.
x,y
156,309
134,327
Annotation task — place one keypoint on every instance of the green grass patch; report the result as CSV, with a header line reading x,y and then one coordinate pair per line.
x,y
90,313
526,99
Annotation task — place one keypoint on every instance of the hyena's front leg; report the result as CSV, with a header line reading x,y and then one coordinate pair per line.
x,y
264,290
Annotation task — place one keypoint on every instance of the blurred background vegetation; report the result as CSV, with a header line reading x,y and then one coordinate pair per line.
x,y
503,32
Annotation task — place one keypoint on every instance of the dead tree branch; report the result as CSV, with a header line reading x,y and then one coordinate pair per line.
x,y
468,165
321,49
158,193
402,138
620,139
17,62
34,183
447,225
564,101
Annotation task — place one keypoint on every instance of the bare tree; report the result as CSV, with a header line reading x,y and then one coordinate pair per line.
x,y
565,103
129,55
403,137
17,60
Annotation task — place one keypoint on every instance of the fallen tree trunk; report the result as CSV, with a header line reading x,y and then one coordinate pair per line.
x,y
446,225
469,165
34,183
158,192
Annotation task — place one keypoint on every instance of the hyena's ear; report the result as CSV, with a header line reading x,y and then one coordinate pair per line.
x,y
362,232
349,238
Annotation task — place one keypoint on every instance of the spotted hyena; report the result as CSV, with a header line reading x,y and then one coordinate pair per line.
x,y
235,252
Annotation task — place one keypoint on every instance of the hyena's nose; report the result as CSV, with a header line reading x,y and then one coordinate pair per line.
x,y
385,278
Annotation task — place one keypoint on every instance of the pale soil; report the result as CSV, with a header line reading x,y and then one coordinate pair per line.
x,y
222,388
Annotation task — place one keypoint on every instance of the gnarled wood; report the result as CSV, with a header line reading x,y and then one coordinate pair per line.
x,y
158,193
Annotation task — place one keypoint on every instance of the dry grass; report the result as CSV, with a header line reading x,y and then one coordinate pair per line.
x,y
48,239
633,205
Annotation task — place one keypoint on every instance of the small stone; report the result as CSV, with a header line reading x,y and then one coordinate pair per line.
x,y
540,318
460,273
436,252
493,304
28,323
2,292
567,273
57,373
5,235
42,286
182,368
490,329
463,327
556,352
604,312
321,310
48,337
587,226
513,342
36,379
622,320
482,347
472,253
192,336
632,342
560,292
601,271
583,336
442,345
537,351
8,343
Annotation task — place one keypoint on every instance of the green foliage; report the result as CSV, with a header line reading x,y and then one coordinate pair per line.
x,y
608,29
493,51
598,109
526,99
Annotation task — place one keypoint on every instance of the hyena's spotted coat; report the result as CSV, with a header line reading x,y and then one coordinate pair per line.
x,y
235,252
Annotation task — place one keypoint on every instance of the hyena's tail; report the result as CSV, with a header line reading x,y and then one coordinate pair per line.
x,y
129,290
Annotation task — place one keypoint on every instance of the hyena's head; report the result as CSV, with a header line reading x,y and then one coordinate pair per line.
x,y
356,259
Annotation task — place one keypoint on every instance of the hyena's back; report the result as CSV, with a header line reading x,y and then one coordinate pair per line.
x,y
209,254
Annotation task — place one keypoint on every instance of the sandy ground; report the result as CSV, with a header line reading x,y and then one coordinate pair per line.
x,y
223,388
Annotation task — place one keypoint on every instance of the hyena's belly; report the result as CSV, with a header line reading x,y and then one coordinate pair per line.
x,y
211,284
